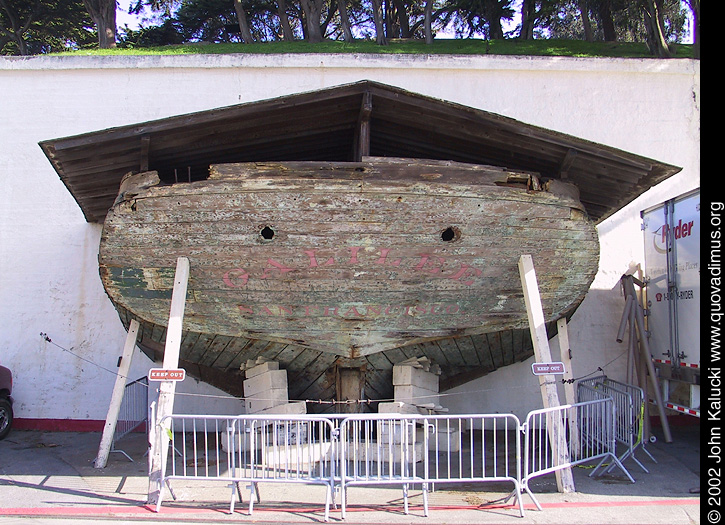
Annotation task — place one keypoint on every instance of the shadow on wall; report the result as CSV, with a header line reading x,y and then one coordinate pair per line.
x,y
515,389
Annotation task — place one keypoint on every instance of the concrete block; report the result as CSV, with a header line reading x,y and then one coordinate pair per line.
x,y
374,452
297,456
266,399
394,431
290,434
396,407
272,379
261,368
415,395
298,407
410,375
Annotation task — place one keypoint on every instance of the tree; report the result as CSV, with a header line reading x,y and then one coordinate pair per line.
x,y
428,21
528,19
103,13
377,6
694,6
604,10
481,17
29,27
165,34
654,23
533,12
586,22
243,23
17,22
284,21
315,20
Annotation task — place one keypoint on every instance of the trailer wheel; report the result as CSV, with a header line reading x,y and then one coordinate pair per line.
x,y
6,417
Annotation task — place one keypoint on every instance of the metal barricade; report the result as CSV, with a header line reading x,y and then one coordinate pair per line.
x,y
382,449
385,449
133,411
389,449
549,436
475,449
286,449
196,451
629,404
237,449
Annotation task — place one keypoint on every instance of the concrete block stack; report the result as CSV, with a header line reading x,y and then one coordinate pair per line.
x,y
415,388
265,390
416,391
266,393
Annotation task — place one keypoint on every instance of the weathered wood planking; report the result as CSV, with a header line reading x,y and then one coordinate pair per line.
x,y
348,258
319,385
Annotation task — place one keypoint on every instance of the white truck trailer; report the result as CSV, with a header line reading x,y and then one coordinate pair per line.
x,y
672,277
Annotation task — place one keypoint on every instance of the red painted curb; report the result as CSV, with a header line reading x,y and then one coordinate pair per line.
x,y
144,509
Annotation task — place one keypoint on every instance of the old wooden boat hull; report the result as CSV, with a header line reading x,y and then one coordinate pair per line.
x,y
353,264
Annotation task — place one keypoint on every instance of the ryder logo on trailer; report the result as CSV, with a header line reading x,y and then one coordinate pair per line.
x,y
680,231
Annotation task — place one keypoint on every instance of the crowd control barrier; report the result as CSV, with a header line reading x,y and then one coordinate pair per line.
x,y
250,449
345,451
133,411
629,402
549,435
406,450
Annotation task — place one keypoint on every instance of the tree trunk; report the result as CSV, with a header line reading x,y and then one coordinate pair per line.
x,y
528,12
656,41
428,21
387,19
378,18
103,13
495,29
402,18
344,20
605,14
284,21
586,22
247,37
313,13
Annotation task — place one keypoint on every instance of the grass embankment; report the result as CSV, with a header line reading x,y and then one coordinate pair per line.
x,y
570,48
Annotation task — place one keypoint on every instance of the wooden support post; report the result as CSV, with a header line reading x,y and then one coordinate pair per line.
x,y
117,396
165,405
349,385
547,383
569,389
362,131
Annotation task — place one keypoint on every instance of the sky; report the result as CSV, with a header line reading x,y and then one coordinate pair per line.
x,y
123,18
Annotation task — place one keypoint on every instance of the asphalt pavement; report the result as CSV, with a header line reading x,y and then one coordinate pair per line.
x,y
49,478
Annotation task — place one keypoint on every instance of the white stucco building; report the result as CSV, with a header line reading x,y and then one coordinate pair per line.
x,y
49,280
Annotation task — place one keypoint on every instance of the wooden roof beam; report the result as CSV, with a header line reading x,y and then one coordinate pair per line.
x,y
144,157
566,164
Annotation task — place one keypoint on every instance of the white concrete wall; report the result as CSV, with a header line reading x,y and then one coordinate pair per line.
x,y
48,254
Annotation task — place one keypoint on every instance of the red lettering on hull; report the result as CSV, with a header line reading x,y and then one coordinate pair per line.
x,y
428,264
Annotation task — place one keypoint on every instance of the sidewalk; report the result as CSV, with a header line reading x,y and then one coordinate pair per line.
x,y
48,477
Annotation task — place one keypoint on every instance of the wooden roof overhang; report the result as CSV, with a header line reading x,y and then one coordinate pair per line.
x,y
345,123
